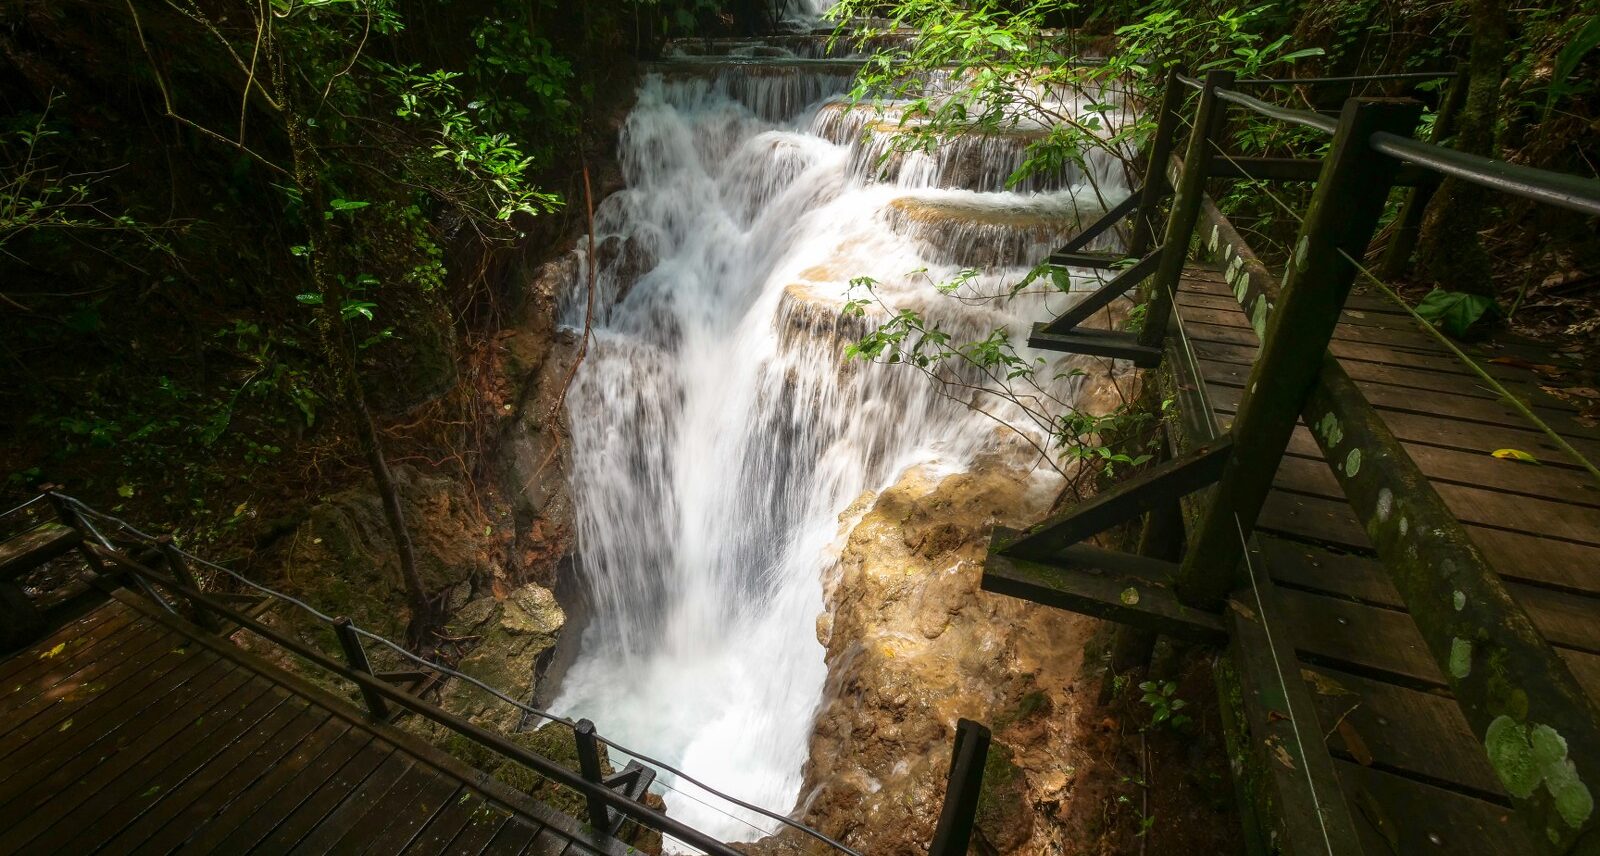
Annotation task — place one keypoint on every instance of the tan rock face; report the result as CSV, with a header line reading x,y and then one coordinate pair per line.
x,y
912,646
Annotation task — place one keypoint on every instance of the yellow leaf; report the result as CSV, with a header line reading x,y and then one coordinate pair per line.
x,y
53,651
239,512
1515,455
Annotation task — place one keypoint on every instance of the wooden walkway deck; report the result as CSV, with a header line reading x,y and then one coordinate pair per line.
x,y
128,731
1414,776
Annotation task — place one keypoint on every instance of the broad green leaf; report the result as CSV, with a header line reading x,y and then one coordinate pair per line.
x,y
1455,311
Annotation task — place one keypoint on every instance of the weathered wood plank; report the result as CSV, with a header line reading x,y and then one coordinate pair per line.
x,y
22,553
1138,601
1402,816
1566,619
1416,734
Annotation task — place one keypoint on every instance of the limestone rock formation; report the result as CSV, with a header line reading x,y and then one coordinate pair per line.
x,y
913,645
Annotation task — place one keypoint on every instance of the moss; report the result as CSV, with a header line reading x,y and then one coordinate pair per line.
x,y
555,743
1004,817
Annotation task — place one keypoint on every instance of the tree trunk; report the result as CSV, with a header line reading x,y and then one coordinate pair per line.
x,y
339,347
1451,251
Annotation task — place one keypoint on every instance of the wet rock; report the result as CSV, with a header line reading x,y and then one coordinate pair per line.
x,y
978,231
912,646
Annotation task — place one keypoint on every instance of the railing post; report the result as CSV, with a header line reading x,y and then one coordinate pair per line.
x,y
1156,185
1185,208
1408,225
965,782
179,568
355,655
589,767
70,516
1343,214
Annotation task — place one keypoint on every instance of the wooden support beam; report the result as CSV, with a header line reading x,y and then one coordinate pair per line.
x,y
1107,221
1097,343
1343,214
1120,587
1185,210
1283,733
1095,261
1263,169
1156,185
1102,297
963,785
1144,492
1408,226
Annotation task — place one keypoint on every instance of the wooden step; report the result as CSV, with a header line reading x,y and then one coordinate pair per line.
x,y
35,547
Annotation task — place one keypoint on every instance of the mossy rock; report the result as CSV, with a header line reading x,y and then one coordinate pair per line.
x,y
554,742
1004,817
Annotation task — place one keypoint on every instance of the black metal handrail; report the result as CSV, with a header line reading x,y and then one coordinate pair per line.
x,y
378,691
1564,190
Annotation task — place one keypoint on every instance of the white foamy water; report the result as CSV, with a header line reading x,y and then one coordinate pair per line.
x,y
718,432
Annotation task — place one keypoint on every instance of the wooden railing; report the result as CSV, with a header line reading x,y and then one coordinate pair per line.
x,y
1510,672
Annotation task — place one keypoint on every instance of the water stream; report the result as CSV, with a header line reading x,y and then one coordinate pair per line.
x,y
718,433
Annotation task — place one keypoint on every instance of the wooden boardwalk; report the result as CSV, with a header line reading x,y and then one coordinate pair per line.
x,y
1414,776
128,731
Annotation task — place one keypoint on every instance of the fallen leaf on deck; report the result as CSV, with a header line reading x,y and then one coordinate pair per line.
x,y
1354,744
1514,455
1519,363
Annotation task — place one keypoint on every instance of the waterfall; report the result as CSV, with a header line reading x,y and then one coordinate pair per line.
x,y
718,433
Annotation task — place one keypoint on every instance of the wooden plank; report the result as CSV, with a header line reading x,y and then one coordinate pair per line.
x,y
244,804
210,727
1559,564
110,756
1384,644
512,839
1452,466
42,665
210,748
1408,732
68,688
1566,619
181,809
1411,427
1492,509
477,834
326,798
373,790
1224,366
353,750
407,821
22,553
1472,407
1400,816
81,725
365,825
70,636
449,824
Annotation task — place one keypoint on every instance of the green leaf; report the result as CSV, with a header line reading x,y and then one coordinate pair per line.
x,y
1567,61
346,204
1455,311
1301,54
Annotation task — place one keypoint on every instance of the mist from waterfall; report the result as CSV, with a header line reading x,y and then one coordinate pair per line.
x,y
718,433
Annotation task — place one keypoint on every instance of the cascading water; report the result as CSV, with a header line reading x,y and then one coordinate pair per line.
x,y
718,432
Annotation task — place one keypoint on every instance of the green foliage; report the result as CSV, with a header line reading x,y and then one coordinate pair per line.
x,y
1586,39
1162,699
1456,312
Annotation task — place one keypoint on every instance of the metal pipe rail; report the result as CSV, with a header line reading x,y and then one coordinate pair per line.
x,y
99,550
1572,192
